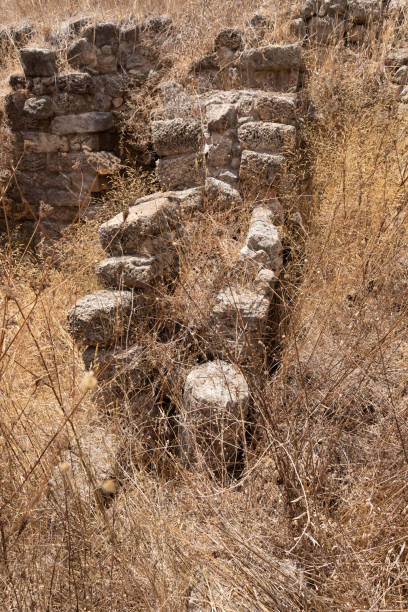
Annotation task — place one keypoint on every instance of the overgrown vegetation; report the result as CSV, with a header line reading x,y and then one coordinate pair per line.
x,y
317,519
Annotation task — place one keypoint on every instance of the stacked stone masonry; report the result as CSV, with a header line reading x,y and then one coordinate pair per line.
x,y
223,143
64,124
234,137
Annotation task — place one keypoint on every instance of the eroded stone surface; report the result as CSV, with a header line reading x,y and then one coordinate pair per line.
x,y
38,62
261,168
176,136
263,243
125,233
120,366
216,401
267,137
103,317
128,271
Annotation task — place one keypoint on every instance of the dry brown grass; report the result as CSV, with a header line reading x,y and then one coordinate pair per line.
x,y
317,519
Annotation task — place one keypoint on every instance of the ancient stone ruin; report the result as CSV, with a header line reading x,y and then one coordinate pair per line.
x,y
234,136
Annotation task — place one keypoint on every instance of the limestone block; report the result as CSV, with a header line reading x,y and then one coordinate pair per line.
x,y
272,57
229,176
76,83
219,155
84,181
323,29
267,137
38,62
297,27
65,103
263,236
124,234
120,365
261,168
102,34
107,63
40,107
83,123
64,197
130,33
42,179
397,57
82,53
17,118
17,81
277,108
310,8
176,136
220,117
181,171
364,11
212,425
102,318
84,142
239,319
265,281
132,271
43,142
333,8
222,193
59,214
229,38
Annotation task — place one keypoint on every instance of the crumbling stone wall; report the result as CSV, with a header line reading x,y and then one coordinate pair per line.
x,y
64,124
233,136
224,142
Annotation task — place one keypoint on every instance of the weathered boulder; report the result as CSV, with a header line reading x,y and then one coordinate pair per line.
x,y
176,136
212,426
131,271
229,38
102,318
82,123
38,62
124,234
267,137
